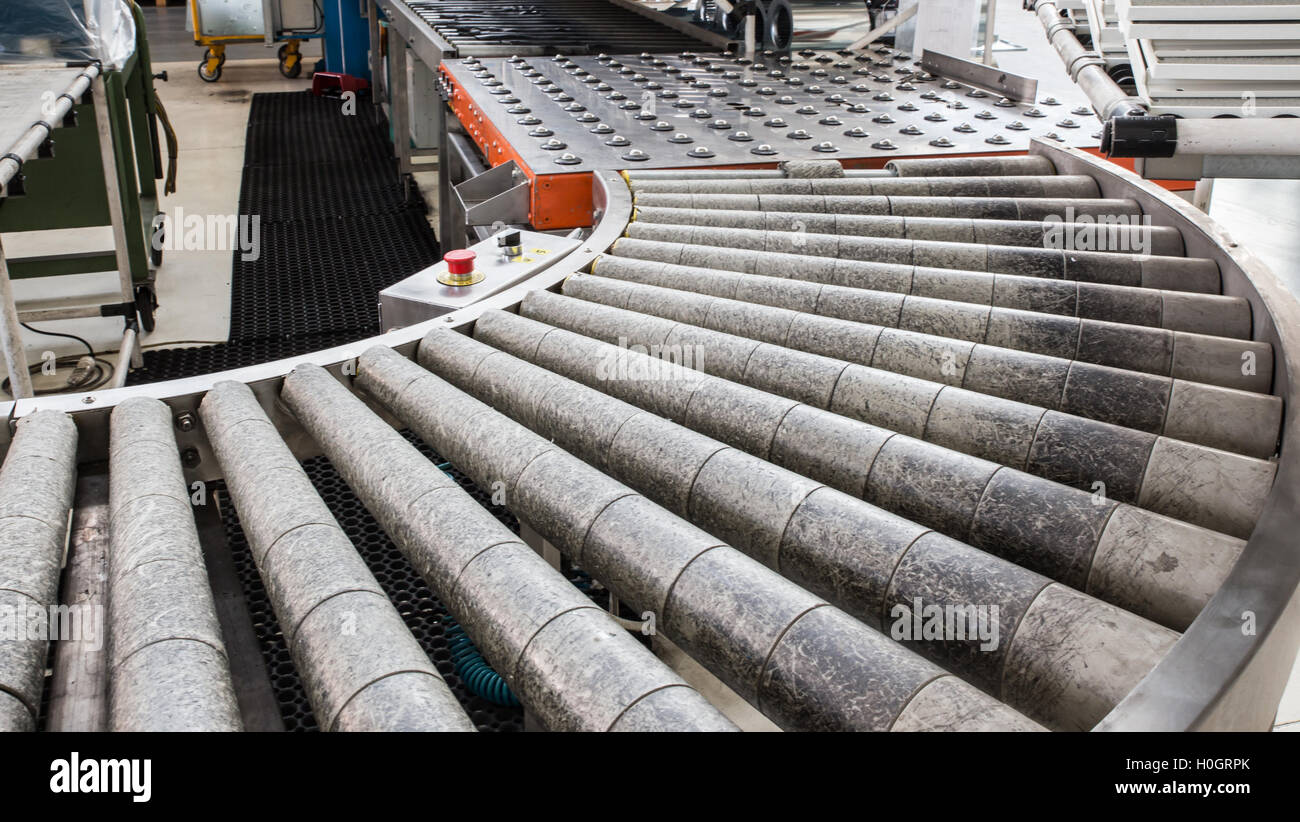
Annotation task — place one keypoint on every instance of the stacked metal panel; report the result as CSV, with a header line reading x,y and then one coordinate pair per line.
x,y
1215,59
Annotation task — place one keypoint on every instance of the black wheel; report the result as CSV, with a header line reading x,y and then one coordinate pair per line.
x,y
146,302
209,78
282,51
157,239
293,72
779,32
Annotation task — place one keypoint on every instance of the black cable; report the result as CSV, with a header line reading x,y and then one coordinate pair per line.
x,y
89,350
97,376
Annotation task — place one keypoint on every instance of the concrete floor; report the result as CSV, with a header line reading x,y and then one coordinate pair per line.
x,y
194,286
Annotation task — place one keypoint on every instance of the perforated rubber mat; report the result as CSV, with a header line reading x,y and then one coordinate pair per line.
x,y
279,193
335,230
298,128
317,276
423,612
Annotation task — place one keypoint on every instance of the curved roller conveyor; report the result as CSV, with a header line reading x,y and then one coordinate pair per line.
x,y
783,410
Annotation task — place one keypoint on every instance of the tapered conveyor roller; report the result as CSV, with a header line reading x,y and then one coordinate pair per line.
x,y
1182,354
1051,186
1027,164
1139,270
884,394
1108,549
967,208
1116,237
36,485
567,660
360,665
1139,466
168,669
863,559
1134,305
803,663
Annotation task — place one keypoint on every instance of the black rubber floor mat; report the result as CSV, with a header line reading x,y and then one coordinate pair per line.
x,y
316,276
335,230
299,128
423,613
177,363
322,191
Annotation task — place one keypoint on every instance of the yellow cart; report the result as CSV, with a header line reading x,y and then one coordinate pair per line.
x,y
220,23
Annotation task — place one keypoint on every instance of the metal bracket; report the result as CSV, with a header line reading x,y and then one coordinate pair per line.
x,y
1011,86
498,195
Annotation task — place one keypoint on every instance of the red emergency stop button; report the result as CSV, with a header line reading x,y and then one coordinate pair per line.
x,y
460,268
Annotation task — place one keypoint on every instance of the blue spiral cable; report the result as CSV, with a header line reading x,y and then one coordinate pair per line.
x,y
474,670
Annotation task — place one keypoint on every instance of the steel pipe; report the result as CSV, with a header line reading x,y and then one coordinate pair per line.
x,y
859,557
565,658
1087,68
1278,137
1184,311
362,669
36,487
32,139
167,668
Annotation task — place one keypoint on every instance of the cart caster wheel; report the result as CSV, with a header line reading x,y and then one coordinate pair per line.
x,y
281,52
146,302
292,72
205,76
157,239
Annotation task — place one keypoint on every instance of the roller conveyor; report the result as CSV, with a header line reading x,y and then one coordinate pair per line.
x,y
778,452
565,656
36,485
168,668
574,26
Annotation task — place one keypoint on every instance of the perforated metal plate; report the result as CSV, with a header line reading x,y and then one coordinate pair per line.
x,y
665,111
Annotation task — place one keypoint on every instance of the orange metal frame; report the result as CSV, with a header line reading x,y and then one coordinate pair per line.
x,y
563,200
558,200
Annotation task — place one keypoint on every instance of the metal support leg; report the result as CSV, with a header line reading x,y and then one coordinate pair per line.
x,y
11,338
400,110
1204,192
990,37
377,84
112,186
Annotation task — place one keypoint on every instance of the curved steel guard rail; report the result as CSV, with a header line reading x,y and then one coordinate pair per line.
x,y
1218,675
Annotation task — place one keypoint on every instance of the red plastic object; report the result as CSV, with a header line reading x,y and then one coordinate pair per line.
x,y
460,261
323,80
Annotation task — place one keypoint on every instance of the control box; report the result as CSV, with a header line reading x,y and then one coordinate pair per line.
x,y
465,276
